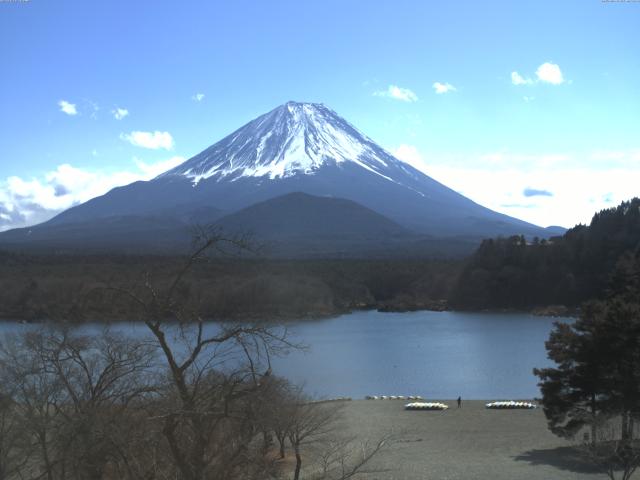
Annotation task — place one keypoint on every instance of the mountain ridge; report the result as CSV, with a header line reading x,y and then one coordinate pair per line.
x,y
295,225
300,147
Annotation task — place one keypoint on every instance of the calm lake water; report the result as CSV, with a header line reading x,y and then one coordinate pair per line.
x,y
433,354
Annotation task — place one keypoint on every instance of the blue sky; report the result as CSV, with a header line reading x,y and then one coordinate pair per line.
x,y
530,108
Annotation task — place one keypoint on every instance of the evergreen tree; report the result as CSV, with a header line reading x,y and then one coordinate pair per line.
x,y
567,270
596,380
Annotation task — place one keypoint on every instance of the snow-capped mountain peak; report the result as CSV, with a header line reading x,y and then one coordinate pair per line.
x,y
293,139
295,149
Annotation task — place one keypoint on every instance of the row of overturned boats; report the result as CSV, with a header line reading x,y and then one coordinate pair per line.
x,y
500,405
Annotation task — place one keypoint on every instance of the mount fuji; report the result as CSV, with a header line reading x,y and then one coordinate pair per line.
x,y
298,166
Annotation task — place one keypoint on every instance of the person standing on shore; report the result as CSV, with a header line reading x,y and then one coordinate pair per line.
x,y
459,402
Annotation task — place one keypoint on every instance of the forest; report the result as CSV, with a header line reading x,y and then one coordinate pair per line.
x,y
520,274
515,273
36,287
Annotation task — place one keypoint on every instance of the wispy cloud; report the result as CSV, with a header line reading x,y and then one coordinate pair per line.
x,y
67,107
518,79
535,192
25,202
153,140
119,113
92,107
153,169
198,97
397,93
441,88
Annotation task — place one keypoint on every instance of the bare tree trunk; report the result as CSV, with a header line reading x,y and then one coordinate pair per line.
x,y
169,433
281,435
594,427
296,474
624,418
45,455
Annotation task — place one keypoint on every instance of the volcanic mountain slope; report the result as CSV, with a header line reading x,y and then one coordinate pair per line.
x,y
297,147
298,224
290,226
302,215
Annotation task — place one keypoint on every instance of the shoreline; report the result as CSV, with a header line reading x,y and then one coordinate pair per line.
x,y
549,311
469,442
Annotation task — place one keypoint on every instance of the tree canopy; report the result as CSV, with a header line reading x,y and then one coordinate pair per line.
x,y
596,381
518,273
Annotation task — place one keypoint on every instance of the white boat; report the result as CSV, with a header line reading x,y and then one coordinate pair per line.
x,y
510,405
425,406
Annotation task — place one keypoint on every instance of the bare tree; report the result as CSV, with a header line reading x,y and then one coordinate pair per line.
x,y
214,374
190,400
315,429
74,394
311,423
15,445
36,392
278,411
349,457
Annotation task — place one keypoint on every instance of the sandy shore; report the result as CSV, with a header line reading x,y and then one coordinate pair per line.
x,y
467,443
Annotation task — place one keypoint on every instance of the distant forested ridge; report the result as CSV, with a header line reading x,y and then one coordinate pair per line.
x,y
76,287
512,273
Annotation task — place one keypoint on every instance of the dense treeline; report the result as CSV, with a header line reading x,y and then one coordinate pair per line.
x,y
46,286
504,273
518,274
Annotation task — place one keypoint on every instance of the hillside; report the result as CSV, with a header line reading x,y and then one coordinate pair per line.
x,y
565,270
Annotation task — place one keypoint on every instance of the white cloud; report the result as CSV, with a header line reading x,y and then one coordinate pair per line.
x,y
518,79
398,93
198,97
550,73
26,202
443,87
153,140
410,154
582,184
119,113
528,99
577,193
68,108
152,170
546,73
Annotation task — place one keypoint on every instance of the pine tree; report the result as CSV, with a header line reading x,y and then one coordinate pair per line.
x,y
596,381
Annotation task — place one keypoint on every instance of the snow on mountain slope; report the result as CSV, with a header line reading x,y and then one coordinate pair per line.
x,y
295,138
308,148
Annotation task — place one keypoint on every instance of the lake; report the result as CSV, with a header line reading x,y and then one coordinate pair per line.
x,y
433,354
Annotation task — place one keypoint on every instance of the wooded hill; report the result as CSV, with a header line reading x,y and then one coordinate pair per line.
x,y
511,273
